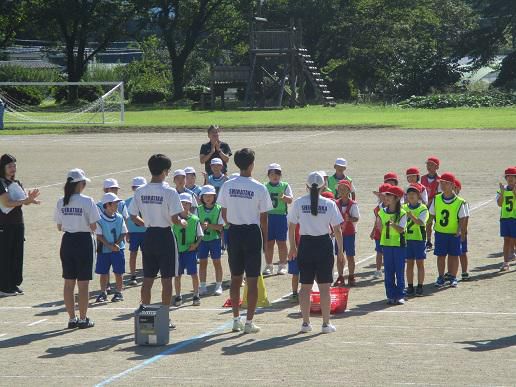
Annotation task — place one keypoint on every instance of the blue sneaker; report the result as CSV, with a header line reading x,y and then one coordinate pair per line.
x,y
453,282
440,282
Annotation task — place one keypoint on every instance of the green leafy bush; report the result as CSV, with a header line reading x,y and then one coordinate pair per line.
x,y
28,95
473,100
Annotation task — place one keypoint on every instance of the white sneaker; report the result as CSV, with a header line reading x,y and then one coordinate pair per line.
x,y
8,294
203,291
238,325
305,328
218,291
268,270
330,328
282,269
377,274
251,328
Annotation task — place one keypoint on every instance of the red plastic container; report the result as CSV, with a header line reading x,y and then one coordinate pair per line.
x,y
339,300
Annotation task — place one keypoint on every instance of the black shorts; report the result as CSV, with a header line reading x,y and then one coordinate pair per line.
x,y
159,253
245,250
77,255
315,259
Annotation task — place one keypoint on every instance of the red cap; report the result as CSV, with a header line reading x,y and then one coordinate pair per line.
x,y
417,187
328,195
390,176
396,191
347,183
433,159
458,184
449,177
384,188
511,171
413,171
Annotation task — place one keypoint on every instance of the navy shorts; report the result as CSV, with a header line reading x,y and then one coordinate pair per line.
x,y
245,250
378,246
188,263
293,267
416,249
159,253
212,248
77,253
105,261
349,245
277,227
136,241
447,244
315,259
508,228
464,246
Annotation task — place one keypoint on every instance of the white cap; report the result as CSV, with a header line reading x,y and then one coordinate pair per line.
x,y
77,175
190,170
110,198
186,197
179,172
341,162
208,190
111,183
322,173
315,178
273,166
139,181
216,161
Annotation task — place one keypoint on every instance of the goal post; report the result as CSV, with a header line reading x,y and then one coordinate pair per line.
x,y
37,103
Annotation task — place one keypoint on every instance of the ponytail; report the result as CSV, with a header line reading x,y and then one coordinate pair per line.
x,y
69,190
314,199
398,211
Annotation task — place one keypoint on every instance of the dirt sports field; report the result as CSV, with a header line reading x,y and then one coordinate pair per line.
x,y
464,336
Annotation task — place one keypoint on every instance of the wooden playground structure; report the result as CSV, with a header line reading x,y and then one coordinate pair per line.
x,y
278,58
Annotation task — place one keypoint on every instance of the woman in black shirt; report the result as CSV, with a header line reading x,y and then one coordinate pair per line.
x,y
12,229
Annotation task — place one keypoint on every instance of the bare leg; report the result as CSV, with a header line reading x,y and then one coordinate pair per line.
x,y
379,261
507,249
104,278
325,302
340,267
420,271
234,293
203,269
68,295
146,290
132,262
177,285
441,265
295,283
252,296
453,265
351,265
283,252
119,282
304,302
195,283
464,263
410,271
269,252
218,270
84,296
166,291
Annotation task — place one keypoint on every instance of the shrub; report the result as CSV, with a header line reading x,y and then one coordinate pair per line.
x,y
472,99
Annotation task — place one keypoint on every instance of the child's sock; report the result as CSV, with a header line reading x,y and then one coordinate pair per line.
x,y
219,284
249,322
203,284
236,318
420,285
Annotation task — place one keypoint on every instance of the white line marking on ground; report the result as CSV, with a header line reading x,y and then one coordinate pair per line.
x,y
37,322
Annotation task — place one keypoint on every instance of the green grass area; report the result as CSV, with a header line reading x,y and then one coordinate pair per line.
x,y
314,116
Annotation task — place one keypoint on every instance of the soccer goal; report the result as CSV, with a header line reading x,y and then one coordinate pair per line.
x,y
94,103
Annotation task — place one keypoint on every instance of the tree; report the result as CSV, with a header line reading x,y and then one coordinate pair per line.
x,y
84,27
12,15
185,24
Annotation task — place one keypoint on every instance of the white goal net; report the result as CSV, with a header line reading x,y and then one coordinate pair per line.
x,y
96,103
